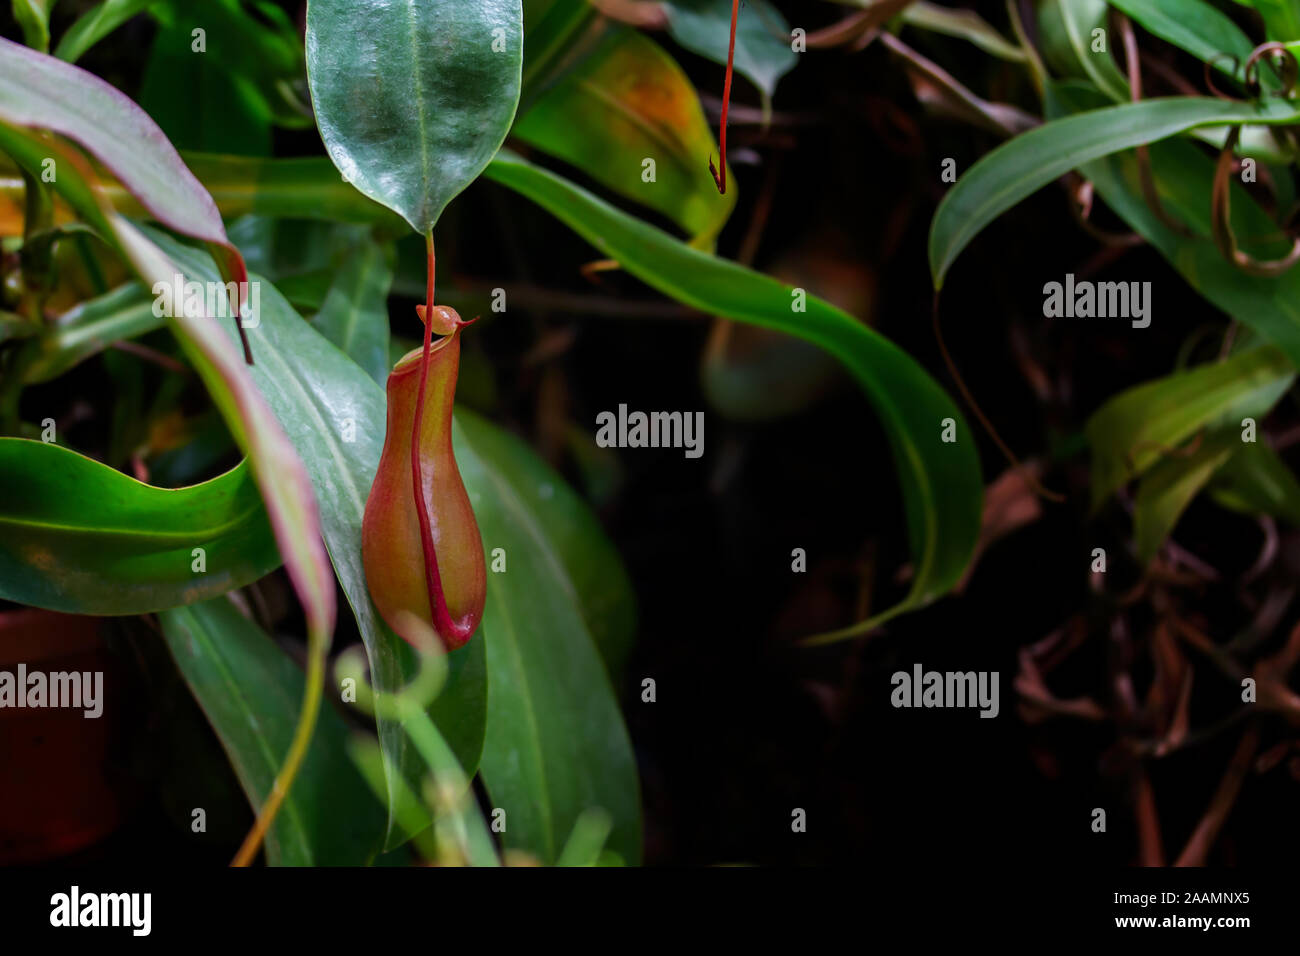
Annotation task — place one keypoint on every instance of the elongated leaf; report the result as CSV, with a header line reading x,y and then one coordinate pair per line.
x,y
764,52
414,98
285,487
942,496
1197,27
1073,46
77,536
555,744
1281,17
40,92
250,691
286,491
1017,168
1138,427
593,571
34,17
1183,176
941,482
1169,487
354,315
335,414
95,24
555,594
627,102
1256,141
285,248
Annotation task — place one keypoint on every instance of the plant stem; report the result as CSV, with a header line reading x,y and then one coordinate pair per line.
x,y
461,813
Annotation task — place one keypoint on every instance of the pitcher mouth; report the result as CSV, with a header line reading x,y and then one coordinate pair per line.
x,y
410,362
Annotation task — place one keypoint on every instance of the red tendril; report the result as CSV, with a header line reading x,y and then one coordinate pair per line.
x,y
721,177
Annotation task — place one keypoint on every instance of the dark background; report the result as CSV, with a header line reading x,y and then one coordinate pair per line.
x,y
748,726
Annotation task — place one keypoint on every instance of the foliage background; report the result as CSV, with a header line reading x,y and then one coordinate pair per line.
x,y
748,726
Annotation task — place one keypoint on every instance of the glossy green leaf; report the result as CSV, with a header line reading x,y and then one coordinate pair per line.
x,y
286,490
414,98
1019,167
942,494
1141,425
1072,46
1064,50
941,484
555,744
95,24
77,536
764,52
282,478
1169,487
249,690
335,414
562,587
41,92
628,101
283,248
592,568
286,487
1281,17
354,315
34,18
1197,27
1183,176
942,497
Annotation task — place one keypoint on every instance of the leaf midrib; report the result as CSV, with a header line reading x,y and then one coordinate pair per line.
x,y
188,535
417,74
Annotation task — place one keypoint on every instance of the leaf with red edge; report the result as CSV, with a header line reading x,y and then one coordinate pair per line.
x,y
42,92
155,175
